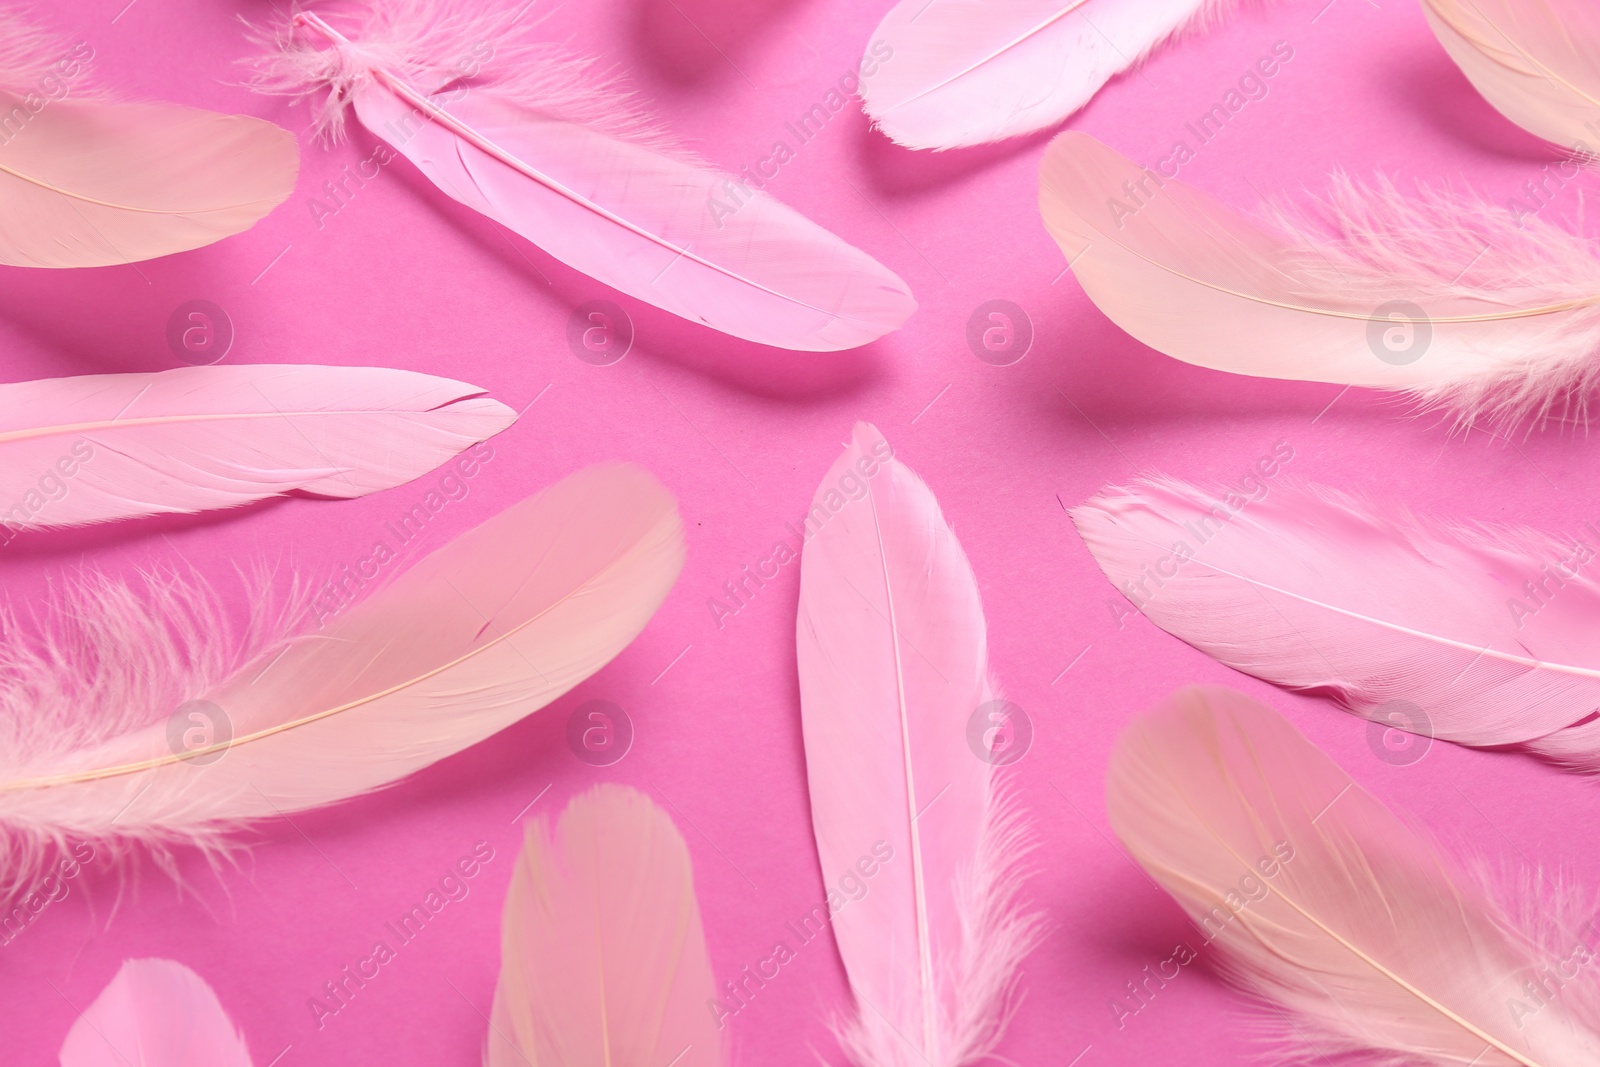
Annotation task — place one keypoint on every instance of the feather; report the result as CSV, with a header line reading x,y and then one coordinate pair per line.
x,y
532,139
1492,635
603,959
956,73
1320,901
143,721
1450,299
1536,61
114,446
893,670
87,181
155,1013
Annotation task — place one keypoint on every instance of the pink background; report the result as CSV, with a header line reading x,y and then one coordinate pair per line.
x,y
404,277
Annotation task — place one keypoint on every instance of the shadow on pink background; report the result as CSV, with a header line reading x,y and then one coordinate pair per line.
x,y
401,276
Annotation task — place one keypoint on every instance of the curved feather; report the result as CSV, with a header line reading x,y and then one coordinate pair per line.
x,y
114,446
893,668
603,959
1452,300
86,181
541,156
967,72
1536,61
90,184
155,1013
1316,898
477,635
1493,634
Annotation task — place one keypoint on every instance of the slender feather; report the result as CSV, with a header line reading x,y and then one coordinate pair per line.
x,y
133,725
155,1013
1318,900
956,73
1454,301
86,181
893,669
532,139
1536,61
1493,634
603,959
114,446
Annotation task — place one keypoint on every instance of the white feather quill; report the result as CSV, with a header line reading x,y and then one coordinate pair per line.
x,y
115,446
1451,300
893,670
532,139
141,720
956,73
1480,636
1321,902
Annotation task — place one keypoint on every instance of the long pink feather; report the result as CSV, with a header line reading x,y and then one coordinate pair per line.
x,y
603,960
114,446
1493,635
530,138
1315,898
155,1013
86,181
953,73
893,669
1453,300
1536,61
146,722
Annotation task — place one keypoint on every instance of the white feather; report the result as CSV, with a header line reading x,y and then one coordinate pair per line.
x,y
954,73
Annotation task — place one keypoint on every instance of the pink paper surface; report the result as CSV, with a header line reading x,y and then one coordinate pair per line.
x,y
402,276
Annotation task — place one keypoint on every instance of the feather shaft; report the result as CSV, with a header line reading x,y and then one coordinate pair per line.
x,y
1349,919
545,149
603,957
200,438
1411,622
1533,60
486,630
1365,289
892,658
